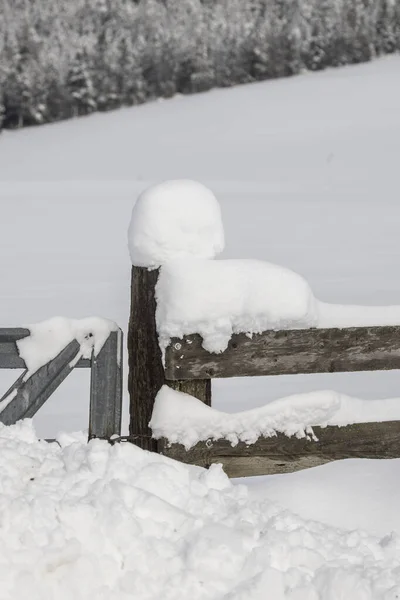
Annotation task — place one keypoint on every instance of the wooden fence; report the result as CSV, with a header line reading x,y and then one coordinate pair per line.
x,y
190,368
29,392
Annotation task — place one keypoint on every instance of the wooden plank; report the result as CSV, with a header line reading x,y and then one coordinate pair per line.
x,y
199,388
13,334
83,363
9,357
287,352
146,372
243,466
282,454
31,394
106,389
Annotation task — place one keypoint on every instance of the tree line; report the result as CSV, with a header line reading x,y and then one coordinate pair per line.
x,y
63,58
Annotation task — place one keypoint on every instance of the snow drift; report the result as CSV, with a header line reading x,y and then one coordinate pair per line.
x,y
81,521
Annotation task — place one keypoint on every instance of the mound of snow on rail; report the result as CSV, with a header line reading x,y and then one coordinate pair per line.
x,y
181,418
81,521
49,338
217,298
175,219
177,225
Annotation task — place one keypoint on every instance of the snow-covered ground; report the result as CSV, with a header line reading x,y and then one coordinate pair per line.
x,y
306,171
98,521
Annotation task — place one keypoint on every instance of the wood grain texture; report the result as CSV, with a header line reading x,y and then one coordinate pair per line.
x,y
9,357
282,454
243,466
13,334
106,389
286,353
199,388
146,371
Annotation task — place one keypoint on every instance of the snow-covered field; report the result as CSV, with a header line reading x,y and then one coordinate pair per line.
x,y
306,171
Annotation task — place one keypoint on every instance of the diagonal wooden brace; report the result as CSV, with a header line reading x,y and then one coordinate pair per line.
x,y
28,395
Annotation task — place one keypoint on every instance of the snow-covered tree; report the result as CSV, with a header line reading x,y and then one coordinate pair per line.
x,y
59,59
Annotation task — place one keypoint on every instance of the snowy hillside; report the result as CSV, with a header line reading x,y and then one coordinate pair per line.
x,y
306,171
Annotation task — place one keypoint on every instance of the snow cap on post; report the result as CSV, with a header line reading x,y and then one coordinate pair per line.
x,y
175,219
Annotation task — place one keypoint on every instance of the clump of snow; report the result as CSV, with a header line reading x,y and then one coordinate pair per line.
x,y
179,417
175,219
81,521
217,298
48,338
222,297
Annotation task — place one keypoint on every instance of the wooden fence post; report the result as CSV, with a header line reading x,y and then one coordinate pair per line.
x,y
146,372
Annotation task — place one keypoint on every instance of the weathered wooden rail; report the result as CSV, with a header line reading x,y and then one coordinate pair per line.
x,y
30,391
287,352
190,368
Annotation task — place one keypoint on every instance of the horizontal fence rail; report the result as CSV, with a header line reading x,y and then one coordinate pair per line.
x,y
287,352
282,454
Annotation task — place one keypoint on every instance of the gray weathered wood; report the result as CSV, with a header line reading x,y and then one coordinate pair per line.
x,y
31,394
13,334
9,357
282,454
106,389
287,352
244,466
146,372
199,388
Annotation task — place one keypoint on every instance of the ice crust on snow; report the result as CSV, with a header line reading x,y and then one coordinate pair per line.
x,y
181,418
175,219
48,338
81,521
217,298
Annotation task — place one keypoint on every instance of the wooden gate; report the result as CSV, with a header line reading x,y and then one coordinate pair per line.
x,y
30,392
